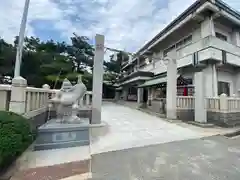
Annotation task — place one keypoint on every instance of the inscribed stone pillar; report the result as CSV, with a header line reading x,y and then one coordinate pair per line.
x,y
171,88
200,109
18,95
97,79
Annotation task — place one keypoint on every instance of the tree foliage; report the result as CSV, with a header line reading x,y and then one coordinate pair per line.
x,y
50,61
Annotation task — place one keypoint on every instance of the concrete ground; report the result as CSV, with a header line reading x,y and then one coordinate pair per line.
x,y
211,158
125,128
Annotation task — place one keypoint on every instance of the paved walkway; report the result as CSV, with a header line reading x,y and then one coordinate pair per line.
x,y
127,128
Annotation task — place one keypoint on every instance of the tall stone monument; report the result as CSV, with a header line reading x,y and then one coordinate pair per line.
x,y
97,79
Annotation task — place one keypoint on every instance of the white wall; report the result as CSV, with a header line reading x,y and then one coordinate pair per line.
x,y
207,27
159,68
236,37
209,81
195,30
227,31
196,34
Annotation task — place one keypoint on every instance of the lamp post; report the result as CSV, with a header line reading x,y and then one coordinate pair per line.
x,y
21,39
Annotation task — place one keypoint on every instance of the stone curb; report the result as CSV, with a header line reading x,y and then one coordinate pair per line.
x,y
232,134
203,125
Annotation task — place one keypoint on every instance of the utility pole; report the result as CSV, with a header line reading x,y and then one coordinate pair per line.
x,y
21,39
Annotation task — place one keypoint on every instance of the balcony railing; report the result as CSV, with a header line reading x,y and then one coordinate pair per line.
x,y
210,47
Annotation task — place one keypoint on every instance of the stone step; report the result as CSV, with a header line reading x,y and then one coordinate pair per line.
x,y
60,145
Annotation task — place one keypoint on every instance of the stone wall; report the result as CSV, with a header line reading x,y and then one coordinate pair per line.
x,y
218,118
40,118
182,114
229,119
154,107
185,114
224,119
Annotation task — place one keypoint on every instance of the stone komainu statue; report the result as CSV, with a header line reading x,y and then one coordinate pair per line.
x,y
66,101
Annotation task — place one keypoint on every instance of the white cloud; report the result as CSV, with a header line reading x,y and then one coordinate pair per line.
x,y
126,24
11,14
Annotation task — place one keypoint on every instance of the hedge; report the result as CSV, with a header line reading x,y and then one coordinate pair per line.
x,y
15,137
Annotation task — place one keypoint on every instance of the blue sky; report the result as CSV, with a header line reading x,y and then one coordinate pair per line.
x,y
126,24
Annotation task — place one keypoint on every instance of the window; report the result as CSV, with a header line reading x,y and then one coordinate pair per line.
x,y
179,44
223,87
187,40
168,50
221,36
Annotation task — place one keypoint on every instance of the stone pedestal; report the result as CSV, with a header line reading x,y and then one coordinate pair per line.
x,y
18,95
97,79
171,88
200,109
53,135
72,133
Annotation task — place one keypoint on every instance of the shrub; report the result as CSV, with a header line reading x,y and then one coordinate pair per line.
x,y
15,137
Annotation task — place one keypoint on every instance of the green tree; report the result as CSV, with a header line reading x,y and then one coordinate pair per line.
x,y
50,61
7,58
81,53
113,67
